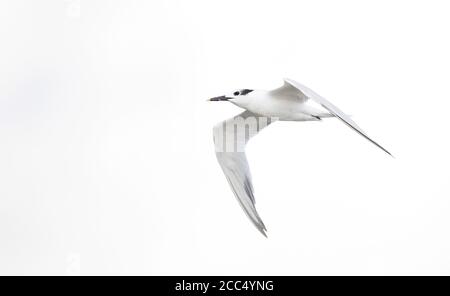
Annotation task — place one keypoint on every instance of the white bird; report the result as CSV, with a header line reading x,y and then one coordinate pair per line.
x,y
290,102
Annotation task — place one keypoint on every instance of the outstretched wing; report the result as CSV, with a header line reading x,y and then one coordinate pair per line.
x,y
230,138
307,92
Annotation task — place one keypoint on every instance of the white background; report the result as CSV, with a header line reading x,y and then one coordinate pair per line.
x,y
107,164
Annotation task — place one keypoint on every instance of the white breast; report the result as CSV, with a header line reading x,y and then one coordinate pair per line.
x,y
282,107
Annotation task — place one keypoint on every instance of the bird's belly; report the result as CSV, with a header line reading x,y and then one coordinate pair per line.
x,y
282,110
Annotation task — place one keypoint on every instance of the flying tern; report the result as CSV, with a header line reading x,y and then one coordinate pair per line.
x,y
290,102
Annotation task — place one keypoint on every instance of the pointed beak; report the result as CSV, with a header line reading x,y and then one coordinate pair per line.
x,y
221,98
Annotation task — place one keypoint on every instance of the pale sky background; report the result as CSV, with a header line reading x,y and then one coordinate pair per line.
x,y
107,164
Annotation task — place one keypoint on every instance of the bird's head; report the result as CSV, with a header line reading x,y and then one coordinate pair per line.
x,y
239,97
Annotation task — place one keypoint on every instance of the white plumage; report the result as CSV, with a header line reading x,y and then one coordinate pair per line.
x,y
290,102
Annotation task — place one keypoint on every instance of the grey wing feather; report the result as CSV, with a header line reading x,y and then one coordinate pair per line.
x,y
230,138
332,109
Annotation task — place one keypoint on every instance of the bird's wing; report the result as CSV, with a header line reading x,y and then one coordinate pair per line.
x,y
230,138
331,108
289,90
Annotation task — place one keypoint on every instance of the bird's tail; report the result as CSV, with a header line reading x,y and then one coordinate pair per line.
x,y
325,115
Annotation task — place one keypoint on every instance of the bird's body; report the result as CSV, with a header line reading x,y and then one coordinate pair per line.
x,y
283,106
290,102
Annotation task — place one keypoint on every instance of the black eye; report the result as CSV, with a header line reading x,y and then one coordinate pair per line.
x,y
236,93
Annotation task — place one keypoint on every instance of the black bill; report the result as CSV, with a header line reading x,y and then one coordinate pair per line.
x,y
221,98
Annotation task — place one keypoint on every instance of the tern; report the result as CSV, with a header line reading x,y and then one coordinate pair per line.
x,y
290,102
